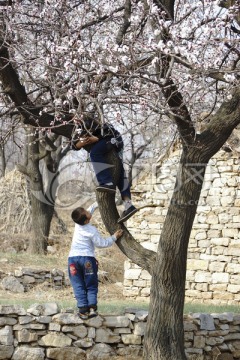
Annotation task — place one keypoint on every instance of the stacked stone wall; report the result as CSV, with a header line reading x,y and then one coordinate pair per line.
x,y
42,332
213,268
24,279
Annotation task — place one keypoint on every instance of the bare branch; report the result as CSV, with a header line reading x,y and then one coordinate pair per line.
x,y
50,142
101,18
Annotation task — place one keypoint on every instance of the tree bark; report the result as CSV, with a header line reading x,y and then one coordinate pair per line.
x,y
3,161
42,214
42,209
164,339
42,192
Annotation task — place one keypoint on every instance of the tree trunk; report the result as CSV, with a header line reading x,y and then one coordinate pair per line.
x,y
164,338
42,192
3,161
42,214
42,208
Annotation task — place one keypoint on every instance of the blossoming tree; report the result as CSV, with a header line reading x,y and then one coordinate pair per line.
x,y
169,59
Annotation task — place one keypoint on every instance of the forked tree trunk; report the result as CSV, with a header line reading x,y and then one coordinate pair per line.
x,y
164,337
42,197
42,210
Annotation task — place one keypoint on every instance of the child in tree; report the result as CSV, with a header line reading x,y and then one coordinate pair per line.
x,y
82,264
99,140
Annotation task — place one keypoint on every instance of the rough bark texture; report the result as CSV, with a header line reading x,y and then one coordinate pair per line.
x,y
42,211
164,338
42,197
3,161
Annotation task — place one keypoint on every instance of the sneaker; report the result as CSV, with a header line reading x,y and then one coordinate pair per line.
x,y
92,313
106,188
83,316
127,214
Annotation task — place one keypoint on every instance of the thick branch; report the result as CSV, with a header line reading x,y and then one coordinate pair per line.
x,y
9,78
181,115
50,142
127,244
221,126
16,91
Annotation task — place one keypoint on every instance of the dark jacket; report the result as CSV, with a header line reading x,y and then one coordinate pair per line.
x,y
102,131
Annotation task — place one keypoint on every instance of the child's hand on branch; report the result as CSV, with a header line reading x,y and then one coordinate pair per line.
x,y
91,139
118,233
86,141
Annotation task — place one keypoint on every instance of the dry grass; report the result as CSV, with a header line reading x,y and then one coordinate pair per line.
x,y
15,211
111,261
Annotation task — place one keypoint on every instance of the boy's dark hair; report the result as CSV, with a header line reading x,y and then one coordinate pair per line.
x,y
78,216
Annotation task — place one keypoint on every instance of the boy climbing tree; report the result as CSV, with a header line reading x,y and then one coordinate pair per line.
x,y
99,140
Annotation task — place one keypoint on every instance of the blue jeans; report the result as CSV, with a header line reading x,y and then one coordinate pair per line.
x,y
82,271
102,168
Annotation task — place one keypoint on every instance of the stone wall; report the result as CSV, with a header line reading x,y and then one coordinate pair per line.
x,y
213,269
42,333
25,278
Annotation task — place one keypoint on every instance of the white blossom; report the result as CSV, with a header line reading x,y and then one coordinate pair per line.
x,y
229,77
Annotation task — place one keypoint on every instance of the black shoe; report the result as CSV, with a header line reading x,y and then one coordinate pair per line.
x,y
106,188
92,313
127,214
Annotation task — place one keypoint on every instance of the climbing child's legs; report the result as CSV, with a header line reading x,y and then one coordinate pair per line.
x,y
124,188
101,167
